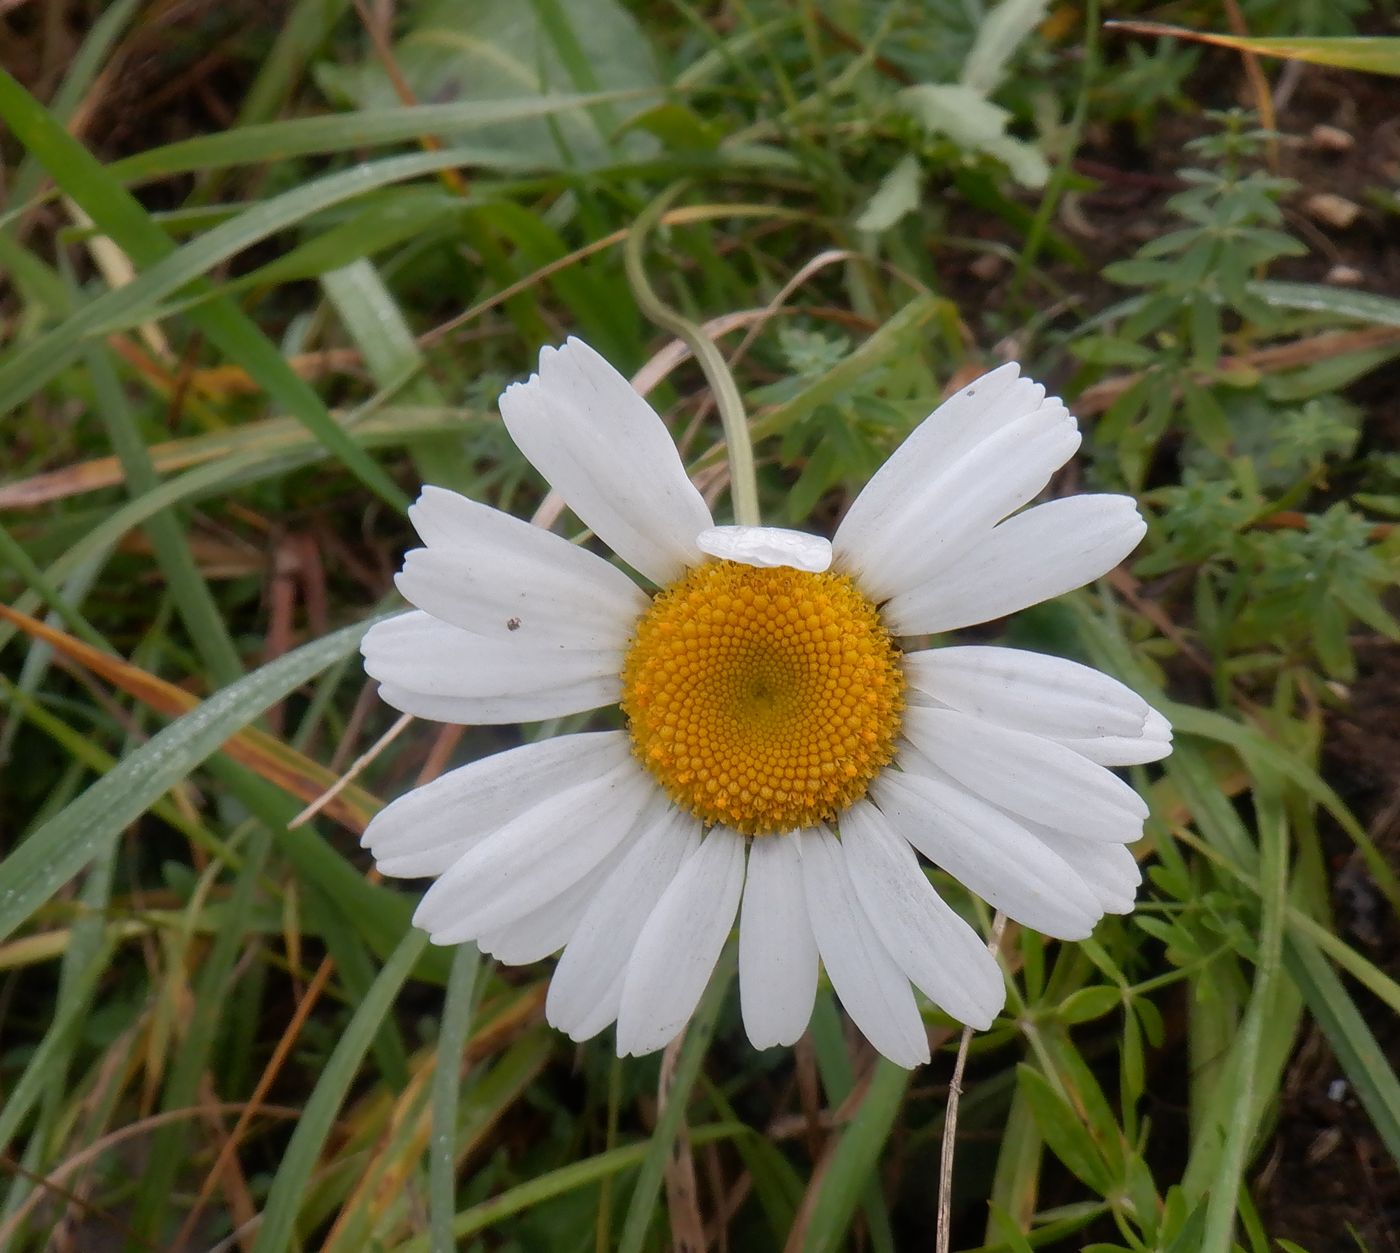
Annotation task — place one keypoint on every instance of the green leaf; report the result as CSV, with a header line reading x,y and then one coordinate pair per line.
x,y
896,196
975,124
378,223
494,49
896,335
63,1031
1089,1003
28,370
119,214
1355,306
166,530
855,1161
1238,1109
1359,1052
1062,1130
67,842
668,1126
1371,54
289,1187
555,1183
272,142
458,1000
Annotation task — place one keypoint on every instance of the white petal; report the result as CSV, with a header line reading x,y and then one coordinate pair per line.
x,y
1123,750
441,518
1084,709
777,951
679,945
504,579
608,454
898,503
942,955
535,857
586,991
866,979
766,546
1034,556
1027,775
958,424
939,513
1110,871
431,669
424,831
548,927
989,853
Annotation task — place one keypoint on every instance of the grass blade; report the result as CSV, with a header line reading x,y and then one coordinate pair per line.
x,y
702,1026
115,211
289,1188
447,1081
1356,1047
66,843
1241,1118
853,1163
29,369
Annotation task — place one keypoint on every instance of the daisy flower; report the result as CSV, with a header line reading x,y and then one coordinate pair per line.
x,y
785,759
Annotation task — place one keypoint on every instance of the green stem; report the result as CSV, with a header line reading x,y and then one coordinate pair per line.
x,y
743,482
1054,189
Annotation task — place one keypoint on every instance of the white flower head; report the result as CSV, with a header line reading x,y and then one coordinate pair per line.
x,y
784,760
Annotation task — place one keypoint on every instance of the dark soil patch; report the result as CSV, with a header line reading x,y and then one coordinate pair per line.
x,y
1328,1178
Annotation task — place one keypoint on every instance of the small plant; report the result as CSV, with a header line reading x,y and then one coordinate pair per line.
x,y
842,439
1275,589
1195,285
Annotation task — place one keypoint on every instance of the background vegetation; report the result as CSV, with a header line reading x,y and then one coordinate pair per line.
x,y
268,267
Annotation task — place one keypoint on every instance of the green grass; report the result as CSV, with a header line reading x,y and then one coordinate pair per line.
x,y
243,326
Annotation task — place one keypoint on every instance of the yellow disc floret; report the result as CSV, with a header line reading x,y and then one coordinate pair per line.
x,y
763,698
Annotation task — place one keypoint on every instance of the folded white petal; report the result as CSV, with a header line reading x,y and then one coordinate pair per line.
x,y
1082,708
424,831
1123,750
1110,871
1027,775
941,954
943,518
1037,555
988,852
605,450
958,424
866,979
548,927
534,857
586,991
679,945
504,579
766,546
432,669
777,951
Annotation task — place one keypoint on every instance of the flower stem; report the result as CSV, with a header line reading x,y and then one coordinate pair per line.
x,y
943,1232
743,482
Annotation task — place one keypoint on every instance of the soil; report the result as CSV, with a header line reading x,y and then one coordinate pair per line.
x,y
1328,1180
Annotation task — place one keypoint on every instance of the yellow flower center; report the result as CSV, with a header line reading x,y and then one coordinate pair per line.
x,y
765,699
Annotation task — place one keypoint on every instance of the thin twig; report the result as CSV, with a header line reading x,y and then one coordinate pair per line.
x,y
254,1103
950,1118
384,50
682,1202
350,775
52,1182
